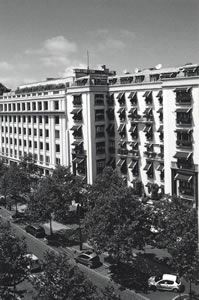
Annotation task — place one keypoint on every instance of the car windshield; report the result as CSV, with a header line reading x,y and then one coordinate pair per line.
x,y
178,280
158,277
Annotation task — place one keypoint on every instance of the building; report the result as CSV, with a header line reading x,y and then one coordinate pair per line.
x,y
145,124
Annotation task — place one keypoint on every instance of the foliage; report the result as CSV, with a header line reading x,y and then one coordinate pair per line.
x,y
13,263
44,201
15,184
60,280
115,222
178,224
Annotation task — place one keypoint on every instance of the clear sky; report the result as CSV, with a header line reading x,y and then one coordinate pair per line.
x,y
46,38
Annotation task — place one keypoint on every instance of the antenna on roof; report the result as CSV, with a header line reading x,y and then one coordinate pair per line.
x,y
87,60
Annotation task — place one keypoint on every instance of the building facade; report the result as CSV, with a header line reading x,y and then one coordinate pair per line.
x,y
144,124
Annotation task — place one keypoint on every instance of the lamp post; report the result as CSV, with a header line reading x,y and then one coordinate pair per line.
x,y
79,223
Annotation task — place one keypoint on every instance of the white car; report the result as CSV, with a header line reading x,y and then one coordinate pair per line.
x,y
34,264
166,282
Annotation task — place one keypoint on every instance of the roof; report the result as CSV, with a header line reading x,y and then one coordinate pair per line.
x,y
31,256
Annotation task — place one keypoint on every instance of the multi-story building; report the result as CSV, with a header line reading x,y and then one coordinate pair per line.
x,y
145,124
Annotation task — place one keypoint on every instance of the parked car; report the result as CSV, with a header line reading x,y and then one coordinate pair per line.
x,y
34,263
166,282
2,201
19,217
88,258
36,230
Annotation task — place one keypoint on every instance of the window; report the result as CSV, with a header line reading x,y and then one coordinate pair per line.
x,y
47,133
183,95
57,148
18,106
23,106
99,115
19,142
28,106
29,119
2,128
33,106
35,144
10,129
100,148
24,131
24,143
15,118
57,161
40,119
47,146
34,119
39,105
14,106
40,132
15,129
57,120
46,119
35,131
100,131
45,105
41,145
47,159
57,134
30,144
24,119
77,100
29,131
41,158
99,99
19,130
100,164
56,105
9,106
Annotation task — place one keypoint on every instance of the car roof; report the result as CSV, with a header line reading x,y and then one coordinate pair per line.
x,y
31,256
36,226
90,253
169,277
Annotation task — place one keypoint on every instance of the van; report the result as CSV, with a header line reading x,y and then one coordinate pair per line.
x,y
36,230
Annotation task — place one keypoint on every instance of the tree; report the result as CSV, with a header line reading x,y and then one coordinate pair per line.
x,y
178,227
115,223
16,184
44,201
62,281
13,262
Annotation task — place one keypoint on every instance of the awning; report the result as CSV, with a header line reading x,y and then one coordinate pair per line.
x,y
121,162
160,168
148,166
159,94
133,144
168,75
184,130
76,127
147,111
183,89
76,95
190,69
110,127
132,95
182,177
147,94
133,164
110,110
76,111
133,128
122,143
78,160
119,96
121,110
111,161
121,127
160,129
147,128
77,143
183,110
160,110
133,110
183,155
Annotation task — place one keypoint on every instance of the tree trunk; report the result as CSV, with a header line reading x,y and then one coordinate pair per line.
x,y
51,228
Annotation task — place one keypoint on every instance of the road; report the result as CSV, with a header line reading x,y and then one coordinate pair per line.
x,y
99,276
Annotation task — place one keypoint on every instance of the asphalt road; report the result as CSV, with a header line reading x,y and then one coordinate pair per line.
x,y
99,276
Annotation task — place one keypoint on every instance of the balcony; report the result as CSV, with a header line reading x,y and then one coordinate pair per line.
x,y
122,152
150,154
184,143
134,153
186,191
77,102
99,102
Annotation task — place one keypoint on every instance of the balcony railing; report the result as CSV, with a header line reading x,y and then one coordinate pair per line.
x,y
134,153
188,166
181,143
122,151
186,191
182,122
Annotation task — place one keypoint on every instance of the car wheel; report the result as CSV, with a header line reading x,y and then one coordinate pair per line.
x,y
89,266
175,290
153,288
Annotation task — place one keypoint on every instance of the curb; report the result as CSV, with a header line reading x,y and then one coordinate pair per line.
x,y
179,297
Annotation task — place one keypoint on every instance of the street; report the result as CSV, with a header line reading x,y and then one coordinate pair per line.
x,y
99,276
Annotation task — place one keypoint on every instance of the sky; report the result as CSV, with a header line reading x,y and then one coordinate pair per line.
x,y
48,38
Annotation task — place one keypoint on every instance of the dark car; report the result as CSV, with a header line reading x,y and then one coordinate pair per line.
x,y
88,258
36,230
19,217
